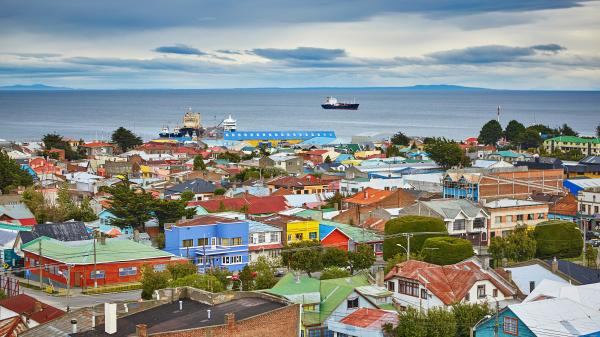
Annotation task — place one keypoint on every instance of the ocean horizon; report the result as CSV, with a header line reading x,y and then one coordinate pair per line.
x,y
445,111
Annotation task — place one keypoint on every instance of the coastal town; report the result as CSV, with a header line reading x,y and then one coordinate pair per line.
x,y
223,231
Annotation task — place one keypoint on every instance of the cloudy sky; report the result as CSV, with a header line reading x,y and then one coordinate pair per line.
x,y
514,44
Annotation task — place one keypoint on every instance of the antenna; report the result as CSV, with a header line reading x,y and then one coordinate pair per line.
x,y
498,117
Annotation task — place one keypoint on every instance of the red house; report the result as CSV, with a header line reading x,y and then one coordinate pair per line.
x,y
331,236
117,261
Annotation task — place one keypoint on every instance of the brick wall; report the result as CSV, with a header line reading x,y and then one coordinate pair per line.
x,y
282,322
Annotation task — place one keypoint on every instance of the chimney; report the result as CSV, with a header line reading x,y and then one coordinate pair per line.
x,y
297,278
110,318
136,235
365,194
230,320
180,305
554,265
37,306
509,275
74,326
208,313
531,286
379,276
141,330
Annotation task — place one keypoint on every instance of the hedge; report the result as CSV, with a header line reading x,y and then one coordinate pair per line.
x,y
410,224
557,238
449,250
112,288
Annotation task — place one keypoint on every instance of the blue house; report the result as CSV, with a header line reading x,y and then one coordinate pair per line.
x,y
105,217
210,241
550,317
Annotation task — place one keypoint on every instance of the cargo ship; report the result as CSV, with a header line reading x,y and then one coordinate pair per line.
x,y
332,103
192,127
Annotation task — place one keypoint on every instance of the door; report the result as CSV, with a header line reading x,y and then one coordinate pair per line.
x,y
77,276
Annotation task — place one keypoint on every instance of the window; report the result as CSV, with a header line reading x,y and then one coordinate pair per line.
x,y
352,303
407,287
391,286
511,326
530,216
289,237
202,242
520,217
129,271
187,243
495,293
479,223
99,274
312,235
261,237
160,267
481,291
509,219
231,241
299,237
275,237
232,259
424,294
459,225
467,297
541,216
498,219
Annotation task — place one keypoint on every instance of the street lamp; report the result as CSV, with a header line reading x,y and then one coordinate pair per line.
x,y
472,329
407,251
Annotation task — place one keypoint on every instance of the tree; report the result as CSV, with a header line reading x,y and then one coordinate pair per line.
x,y
490,133
335,201
518,245
392,151
410,224
591,255
334,272
514,131
181,270
152,281
125,139
557,238
232,157
530,139
566,130
131,208
400,139
334,257
303,255
362,258
11,174
411,323
222,274
199,164
204,282
168,211
467,315
247,278
446,250
544,130
440,322
446,154
265,278
85,211
187,195
219,191
598,131
66,206
56,141
327,160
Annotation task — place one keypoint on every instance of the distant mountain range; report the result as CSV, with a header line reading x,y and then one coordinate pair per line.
x,y
440,87
18,87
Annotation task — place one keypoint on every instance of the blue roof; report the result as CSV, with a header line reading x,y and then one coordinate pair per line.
x,y
344,156
276,135
318,141
324,230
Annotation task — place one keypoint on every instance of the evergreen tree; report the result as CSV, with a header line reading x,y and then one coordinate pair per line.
x,y
530,139
446,154
11,174
125,139
598,131
199,164
566,130
490,133
400,139
131,208
514,131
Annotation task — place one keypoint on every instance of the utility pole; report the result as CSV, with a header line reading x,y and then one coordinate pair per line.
x,y
407,236
95,270
497,325
40,263
68,284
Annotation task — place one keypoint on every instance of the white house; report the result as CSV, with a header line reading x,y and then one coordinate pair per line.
x,y
264,240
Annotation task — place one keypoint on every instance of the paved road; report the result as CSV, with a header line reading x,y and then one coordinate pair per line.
x,y
79,300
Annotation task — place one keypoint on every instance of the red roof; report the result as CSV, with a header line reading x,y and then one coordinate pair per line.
x,y
255,205
370,318
26,305
12,326
307,180
449,283
265,247
97,144
368,196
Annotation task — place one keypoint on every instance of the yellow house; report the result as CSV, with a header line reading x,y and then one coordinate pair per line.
x,y
295,229
302,230
587,146
365,154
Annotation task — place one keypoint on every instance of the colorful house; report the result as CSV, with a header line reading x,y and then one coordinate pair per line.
x,y
294,229
331,236
17,214
264,240
117,261
549,317
210,241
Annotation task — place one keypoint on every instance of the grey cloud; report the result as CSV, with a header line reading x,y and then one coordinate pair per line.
x,y
181,49
552,48
230,52
489,54
300,53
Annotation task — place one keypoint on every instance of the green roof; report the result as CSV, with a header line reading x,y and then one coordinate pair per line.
x,y
11,226
331,292
82,252
574,139
510,154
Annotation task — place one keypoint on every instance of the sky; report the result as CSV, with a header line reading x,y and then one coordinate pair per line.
x,y
117,44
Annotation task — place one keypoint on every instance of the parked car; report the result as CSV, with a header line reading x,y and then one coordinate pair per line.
x,y
595,242
592,235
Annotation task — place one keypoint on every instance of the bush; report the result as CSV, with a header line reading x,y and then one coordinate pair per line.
x,y
179,270
334,272
204,282
556,238
448,250
410,224
334,257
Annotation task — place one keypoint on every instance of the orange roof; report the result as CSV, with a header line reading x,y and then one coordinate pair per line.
x,y
368,196
449,283
97,144
370,318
